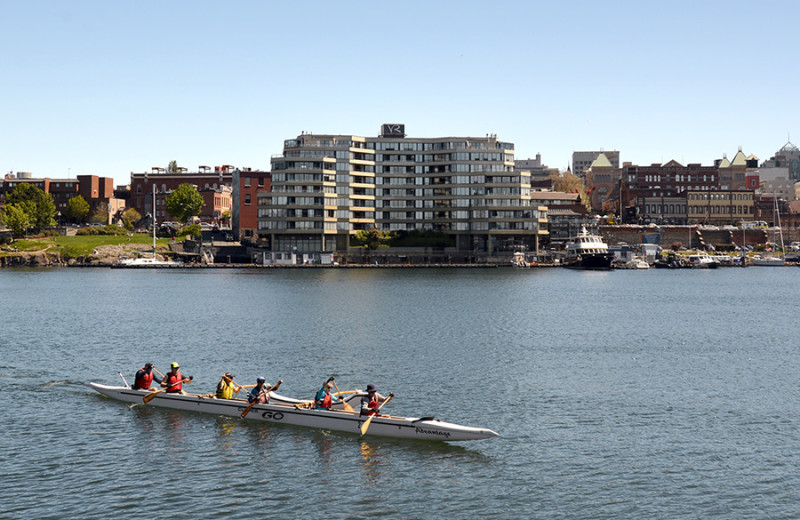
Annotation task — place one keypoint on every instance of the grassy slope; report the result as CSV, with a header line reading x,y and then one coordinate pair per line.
x,y
80,245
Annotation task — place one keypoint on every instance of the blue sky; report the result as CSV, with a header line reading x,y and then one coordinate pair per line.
x,y
108,88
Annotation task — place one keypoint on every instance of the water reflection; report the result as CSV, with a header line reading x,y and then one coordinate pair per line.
x,y
370,458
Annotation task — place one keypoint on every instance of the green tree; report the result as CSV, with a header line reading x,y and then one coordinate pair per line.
x,y
39,205
372,238
130,217
100,215
184,202
15,218
77,209
172,167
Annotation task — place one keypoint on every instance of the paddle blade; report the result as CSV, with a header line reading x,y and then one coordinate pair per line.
x,y
366,425
368,421
152,395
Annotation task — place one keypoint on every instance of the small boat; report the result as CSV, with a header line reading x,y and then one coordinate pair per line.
x,y
145,261
637,262
768,261
587,251
519,261
291,411
703,261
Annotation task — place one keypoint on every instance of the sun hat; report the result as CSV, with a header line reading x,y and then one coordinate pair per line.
x,y
371,388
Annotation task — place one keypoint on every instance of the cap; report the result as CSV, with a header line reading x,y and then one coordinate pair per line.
x,y
228,375
148,365
175,364
371,388
261,380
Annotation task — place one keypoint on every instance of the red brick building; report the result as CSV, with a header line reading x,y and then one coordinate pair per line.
x,y
94,189
246,185
207,182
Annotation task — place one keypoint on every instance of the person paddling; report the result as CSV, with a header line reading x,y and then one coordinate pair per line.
x,y
226,387
259,394
325,399
144,378
174,380
370,403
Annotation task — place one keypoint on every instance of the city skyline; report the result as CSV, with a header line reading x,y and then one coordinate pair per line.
x,y
106,89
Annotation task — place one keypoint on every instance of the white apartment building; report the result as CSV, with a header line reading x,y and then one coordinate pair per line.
x,y
326,188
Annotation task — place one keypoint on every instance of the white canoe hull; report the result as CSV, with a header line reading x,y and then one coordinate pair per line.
x,y
337,420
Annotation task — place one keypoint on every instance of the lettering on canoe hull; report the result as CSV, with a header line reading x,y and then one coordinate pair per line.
x,y
417,429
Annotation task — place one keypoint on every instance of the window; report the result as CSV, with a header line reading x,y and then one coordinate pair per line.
x,y
247,199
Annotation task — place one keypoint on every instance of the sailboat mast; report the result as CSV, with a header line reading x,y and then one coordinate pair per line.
x,y
154,221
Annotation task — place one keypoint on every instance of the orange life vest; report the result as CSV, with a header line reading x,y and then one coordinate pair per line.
x,y
143,379
171,378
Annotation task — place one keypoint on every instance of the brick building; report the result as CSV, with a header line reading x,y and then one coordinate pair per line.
x,y
208,183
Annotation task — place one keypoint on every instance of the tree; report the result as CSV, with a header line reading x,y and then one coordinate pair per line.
x,y
15,218
372,238
184,202
100,215
39,205
567,182
172,167
130,217
77,209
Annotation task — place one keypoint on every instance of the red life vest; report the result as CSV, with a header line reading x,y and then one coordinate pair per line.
x,y
327,402
143,379
373,403
171,378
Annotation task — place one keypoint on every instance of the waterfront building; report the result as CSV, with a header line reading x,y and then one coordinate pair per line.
x,y
95,190
247,183
210,184
646,190
326,188
566,213
582,161
719,207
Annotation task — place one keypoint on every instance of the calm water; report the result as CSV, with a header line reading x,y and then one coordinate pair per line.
x,y
658,394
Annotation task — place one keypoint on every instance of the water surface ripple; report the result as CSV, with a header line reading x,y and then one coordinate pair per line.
x,y
658,394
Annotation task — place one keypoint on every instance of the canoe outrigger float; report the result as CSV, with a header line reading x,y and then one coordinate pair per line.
x,y
293,411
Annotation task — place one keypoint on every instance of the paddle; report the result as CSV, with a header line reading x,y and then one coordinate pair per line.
x,y
249,406
369,420
152,395
346,405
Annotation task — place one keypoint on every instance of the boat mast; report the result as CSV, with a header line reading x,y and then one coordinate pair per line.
x,y
154,222
778,220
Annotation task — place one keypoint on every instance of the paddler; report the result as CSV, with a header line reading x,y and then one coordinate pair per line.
x,y
259,394
226,387
325,399
174,380
370,403
144,378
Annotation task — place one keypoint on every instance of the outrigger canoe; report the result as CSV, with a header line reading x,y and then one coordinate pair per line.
x,y
290,411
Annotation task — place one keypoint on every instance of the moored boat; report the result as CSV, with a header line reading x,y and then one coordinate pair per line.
x,y
703,261
587,251
290,411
